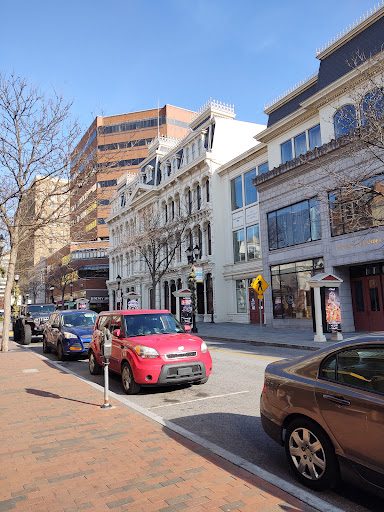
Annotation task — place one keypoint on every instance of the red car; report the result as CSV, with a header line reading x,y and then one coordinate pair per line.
x,y
149,348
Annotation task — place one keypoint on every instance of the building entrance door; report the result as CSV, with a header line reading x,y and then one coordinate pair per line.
x,y
367,297
254,312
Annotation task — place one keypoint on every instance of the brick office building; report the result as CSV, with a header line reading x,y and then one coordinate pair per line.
x,y
113,146
116,145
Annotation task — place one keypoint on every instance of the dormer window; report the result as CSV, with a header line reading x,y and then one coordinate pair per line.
x,y
149,172
123,200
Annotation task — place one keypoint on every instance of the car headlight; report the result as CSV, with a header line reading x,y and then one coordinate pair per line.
x,y
70,336
146,352
204,348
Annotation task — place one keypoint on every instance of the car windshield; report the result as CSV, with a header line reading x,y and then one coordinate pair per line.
x,y
151,323
79,319
42,309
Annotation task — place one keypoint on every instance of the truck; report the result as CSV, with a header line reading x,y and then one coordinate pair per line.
x,y
30,321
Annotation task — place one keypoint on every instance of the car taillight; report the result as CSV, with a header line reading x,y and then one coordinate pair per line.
x,y
264,388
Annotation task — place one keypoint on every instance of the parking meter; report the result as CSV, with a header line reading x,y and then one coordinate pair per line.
x,y
106,349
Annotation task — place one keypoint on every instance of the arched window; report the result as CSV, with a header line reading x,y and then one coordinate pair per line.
x,y
209,240
345,120
207,191
198,197
189,195
372,107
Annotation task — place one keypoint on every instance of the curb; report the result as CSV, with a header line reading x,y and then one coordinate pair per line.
x,y
262,343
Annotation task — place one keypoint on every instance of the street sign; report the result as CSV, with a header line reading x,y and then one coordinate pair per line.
x,y
260,296
259,285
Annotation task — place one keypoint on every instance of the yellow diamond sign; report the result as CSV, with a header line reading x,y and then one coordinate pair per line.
x,y
259,285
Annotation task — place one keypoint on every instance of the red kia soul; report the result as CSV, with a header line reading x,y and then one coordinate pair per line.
x,y
149,348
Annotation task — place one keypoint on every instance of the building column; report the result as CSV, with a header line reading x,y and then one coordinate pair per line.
x,y
110,294
319,336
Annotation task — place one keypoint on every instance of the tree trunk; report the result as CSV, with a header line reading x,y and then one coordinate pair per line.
x,y
7,297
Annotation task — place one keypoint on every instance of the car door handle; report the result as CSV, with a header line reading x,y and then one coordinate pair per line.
x,y
121,346
337,399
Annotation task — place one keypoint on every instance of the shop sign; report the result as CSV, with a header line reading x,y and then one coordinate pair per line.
x,y
198,274
237,220
251,215
99,299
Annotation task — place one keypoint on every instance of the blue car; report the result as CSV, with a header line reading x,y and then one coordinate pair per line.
x,y
68,333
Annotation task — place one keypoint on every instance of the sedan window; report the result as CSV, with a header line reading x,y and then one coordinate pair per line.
x,y
359,367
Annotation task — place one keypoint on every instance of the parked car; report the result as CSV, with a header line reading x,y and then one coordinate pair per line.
x,y
68,333
149,348
327,409
30,321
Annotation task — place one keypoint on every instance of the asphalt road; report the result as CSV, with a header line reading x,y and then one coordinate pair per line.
x,y
225,411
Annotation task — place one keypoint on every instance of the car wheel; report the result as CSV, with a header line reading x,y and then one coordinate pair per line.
x,y
94,367
311,455
60,352
202,381
25,334
128,381
46,348
16,332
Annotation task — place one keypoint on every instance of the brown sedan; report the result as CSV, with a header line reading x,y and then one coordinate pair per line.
x,y
327,409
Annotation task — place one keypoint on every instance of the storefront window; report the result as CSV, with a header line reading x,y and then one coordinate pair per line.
x,y
291,293
241,296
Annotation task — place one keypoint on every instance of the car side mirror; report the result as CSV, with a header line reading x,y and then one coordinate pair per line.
x,y
118,333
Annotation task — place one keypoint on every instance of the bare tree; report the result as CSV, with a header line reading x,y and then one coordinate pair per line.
x,y
156,241
37,135
60,276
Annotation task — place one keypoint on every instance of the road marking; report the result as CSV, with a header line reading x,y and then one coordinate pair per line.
x,y
246,355
198,399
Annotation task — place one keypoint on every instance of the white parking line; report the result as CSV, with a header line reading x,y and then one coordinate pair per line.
x,y
197,399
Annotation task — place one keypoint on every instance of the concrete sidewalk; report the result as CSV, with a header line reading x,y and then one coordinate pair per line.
x,y
252,333
60,451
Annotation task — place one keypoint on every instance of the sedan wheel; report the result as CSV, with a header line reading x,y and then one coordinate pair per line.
x,y
311,455
129,384
60,352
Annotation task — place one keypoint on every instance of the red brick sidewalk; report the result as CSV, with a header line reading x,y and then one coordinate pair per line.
x,y
59,451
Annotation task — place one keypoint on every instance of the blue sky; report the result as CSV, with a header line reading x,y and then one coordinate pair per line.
x,y
116,56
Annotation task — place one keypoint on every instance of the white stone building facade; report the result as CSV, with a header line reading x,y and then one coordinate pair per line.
x,y
182,173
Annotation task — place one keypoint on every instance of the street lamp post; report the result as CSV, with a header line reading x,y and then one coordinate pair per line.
x,y
52,288
193,255
118,295
71,291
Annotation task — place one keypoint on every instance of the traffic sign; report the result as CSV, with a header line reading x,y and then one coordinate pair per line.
x,y
260,296
259,285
